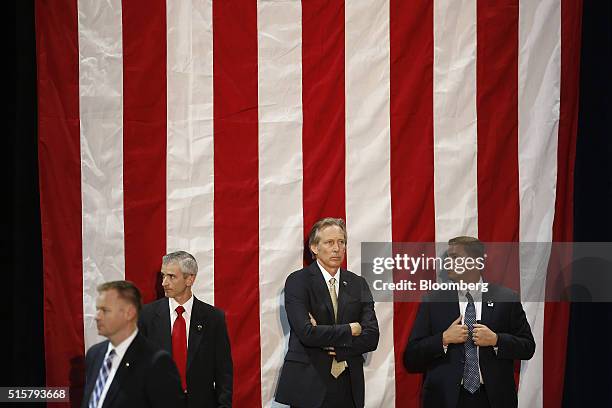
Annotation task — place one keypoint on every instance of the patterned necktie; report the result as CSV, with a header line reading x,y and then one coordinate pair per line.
x,y
337,367
101,380
471,374
179,345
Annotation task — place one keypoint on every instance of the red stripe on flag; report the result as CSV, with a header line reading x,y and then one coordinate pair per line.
x,y
60,193
236,189
412,199
323,134
144,141
556,314
497,107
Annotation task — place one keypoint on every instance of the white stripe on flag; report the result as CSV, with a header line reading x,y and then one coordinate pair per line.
x,y
539,80
189,161
101,124
455,137
368,174
279,35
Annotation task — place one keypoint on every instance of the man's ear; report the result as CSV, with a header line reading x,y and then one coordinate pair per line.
x,y
313,249
131,312
190,278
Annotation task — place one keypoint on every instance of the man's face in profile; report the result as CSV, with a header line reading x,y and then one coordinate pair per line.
x,y
174,281
111,313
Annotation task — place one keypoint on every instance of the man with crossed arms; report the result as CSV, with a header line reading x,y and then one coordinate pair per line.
x,y
333,323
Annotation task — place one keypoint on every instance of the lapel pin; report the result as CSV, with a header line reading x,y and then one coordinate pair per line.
x,y
490,303
199,327
127,364
344,283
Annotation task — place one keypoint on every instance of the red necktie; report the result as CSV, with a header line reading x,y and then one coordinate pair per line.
x,y
179,345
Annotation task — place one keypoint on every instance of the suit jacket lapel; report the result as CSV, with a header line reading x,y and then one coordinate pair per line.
x,y
197,327
486,310
344,288
163,325
95,369
320,287
126,364
450,303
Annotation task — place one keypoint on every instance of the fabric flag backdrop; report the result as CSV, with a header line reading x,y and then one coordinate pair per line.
x,y
226,128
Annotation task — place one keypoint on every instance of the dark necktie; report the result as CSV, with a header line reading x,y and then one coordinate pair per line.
x,y
101,380
471,375
179,345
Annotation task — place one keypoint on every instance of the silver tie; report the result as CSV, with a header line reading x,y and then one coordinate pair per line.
x,y
337,367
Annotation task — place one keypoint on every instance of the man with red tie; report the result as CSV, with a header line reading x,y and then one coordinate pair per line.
x,y
193,331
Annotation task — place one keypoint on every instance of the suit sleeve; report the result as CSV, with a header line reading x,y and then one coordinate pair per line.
x,y
423,346
297,314
223,365
519,343
164,383
368,339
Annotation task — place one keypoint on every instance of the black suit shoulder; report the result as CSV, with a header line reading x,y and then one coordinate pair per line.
x,y
210,311
502,293
150,309
94,350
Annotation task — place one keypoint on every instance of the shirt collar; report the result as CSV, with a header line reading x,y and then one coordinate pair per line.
x,y
121,347
327,276
188,305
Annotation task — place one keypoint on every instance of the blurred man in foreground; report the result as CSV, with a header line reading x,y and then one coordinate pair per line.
x,y
127,370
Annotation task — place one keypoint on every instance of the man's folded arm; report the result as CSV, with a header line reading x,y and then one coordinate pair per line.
x,y
423,347
297,314
519,344
368,339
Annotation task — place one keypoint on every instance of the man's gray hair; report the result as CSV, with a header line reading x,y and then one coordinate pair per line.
x,y
186,262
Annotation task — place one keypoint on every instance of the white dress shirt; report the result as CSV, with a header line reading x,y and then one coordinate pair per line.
x,y
119,353
188,306
327,276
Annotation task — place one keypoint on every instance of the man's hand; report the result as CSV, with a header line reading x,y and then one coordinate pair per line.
x,y
312,320
483,336
456,333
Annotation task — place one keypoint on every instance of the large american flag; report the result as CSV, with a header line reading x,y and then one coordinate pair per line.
x,y
227,128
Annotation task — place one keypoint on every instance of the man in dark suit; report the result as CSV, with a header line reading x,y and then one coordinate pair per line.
x,y
332,320
194,333
127,370
466,342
